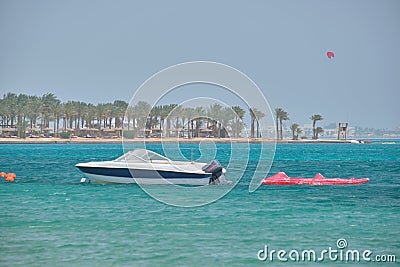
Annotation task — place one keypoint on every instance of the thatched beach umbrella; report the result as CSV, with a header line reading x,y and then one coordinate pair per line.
x,y
107,130
8,131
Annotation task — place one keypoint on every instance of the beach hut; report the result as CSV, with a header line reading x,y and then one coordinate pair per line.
x,y
156,132
118,130
8,132
111,133
47,132
33,132
89,132
173,132
205,132
143,133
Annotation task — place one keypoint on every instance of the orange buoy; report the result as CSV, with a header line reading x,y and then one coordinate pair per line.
x,y
10,177
3,174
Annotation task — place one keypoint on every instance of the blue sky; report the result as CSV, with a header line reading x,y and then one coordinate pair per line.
x,y
98,51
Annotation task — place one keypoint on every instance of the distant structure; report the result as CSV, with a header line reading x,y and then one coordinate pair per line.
x,y
342,130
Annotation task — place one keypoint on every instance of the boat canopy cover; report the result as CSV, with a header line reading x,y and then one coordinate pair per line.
x,y
141,155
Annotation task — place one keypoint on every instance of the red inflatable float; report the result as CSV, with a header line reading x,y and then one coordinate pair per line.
x,y
282,179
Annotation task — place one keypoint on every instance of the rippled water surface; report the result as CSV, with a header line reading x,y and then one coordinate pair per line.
x,y
48,218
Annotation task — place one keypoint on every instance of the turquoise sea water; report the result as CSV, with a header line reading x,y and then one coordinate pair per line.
x,y
48,218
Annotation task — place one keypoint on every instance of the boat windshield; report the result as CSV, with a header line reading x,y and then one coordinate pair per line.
x,y
141,155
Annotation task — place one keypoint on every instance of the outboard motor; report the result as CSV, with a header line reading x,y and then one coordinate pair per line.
x,y
216,169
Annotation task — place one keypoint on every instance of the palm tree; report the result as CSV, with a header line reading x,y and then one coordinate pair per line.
x,y
227,118
315,118
199,114
153,117
120,107
294,127
63,114
81,109
258,116
284,117
3,113
21,111
48,102
11,102
90,115
318,130
278,114
239,117
191,115
295,131
130,115
34,107
100,114
182,115
252,121
214,114
167,110
174,115
298,131
69,113
142,110
163,111
109,115
281,115
56,111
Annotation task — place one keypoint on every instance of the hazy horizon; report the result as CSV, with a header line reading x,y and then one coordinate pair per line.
x,y
100,51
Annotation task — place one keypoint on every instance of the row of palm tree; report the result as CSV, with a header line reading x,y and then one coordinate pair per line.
x,y
281,115
220,121
30,113
34,113
37,113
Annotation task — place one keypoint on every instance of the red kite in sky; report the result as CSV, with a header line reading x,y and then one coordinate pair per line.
x,y
330,54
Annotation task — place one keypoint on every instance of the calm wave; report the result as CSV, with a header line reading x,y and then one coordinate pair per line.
x,y
48,218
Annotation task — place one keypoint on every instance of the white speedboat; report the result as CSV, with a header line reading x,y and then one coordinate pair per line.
x,y
143,166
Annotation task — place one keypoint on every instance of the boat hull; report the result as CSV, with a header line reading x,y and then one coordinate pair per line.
x,y
132,176
144,166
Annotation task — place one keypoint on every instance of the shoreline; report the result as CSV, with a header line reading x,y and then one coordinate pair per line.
x,y
81,140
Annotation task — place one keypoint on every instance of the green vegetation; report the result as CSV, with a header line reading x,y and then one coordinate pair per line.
x,y
65,135
280,115
256,116
316,118
22,115
47,115
296,130
318,130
